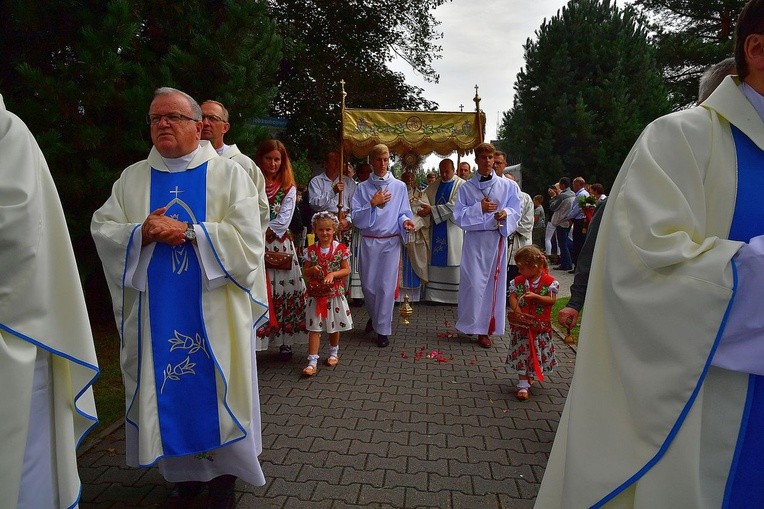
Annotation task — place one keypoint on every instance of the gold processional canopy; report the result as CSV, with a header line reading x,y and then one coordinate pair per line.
x,y
421,132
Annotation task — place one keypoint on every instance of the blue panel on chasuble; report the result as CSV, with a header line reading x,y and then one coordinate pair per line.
x,y
439,256
184,369
744,486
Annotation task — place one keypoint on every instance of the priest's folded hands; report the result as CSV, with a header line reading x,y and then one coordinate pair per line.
x,y
160,228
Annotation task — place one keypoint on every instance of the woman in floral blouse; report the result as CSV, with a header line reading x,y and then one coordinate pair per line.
x,y
286,289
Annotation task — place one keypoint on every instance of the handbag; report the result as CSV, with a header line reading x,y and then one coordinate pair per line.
x,y
278,260
317,288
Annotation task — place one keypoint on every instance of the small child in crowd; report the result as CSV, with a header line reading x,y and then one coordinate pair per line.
x,y
325,268
531,297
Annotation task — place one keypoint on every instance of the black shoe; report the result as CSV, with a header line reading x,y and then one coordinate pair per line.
x,y
184,494
369,326
572,271
560,267
382,340
285,352
221,493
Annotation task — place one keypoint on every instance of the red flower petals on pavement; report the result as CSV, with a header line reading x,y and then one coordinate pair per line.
x,y
436,355
448,333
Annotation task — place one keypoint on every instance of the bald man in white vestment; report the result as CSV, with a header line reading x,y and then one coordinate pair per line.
x,y
447,237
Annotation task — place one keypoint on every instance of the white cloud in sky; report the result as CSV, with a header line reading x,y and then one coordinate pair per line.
x,y
482,45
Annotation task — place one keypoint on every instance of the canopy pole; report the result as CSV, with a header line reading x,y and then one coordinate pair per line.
x,y
481,134
340,214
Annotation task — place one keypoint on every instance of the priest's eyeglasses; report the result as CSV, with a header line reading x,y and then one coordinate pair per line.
x,y
172,118
212,118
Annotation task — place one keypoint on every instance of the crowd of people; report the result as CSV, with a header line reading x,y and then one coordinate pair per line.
x,y
203,271
199,251
571,208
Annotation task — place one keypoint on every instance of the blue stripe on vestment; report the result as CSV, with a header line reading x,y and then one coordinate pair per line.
x,y
439,246
184,370
744,486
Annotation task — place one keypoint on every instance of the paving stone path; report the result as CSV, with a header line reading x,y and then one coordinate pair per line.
x,y
429,422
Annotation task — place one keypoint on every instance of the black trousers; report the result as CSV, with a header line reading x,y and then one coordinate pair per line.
x,y
579,236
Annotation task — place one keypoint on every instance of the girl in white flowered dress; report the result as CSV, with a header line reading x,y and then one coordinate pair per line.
x,y
326,309
533,294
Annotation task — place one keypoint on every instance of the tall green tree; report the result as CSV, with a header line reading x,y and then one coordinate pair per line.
x,y
690,35
329,41
589,86
81,74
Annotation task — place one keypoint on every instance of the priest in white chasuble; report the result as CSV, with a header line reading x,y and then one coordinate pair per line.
x,y
447,237
181,241
487,208
666,407
47,358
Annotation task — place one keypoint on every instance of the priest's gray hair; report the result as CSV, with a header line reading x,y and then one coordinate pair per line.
x,y
223,108
195,109
713,76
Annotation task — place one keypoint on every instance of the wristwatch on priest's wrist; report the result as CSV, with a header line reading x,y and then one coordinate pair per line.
x,y
190,233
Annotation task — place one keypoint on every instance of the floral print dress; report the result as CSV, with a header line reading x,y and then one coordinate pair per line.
x,y
337,317
286,287
520,358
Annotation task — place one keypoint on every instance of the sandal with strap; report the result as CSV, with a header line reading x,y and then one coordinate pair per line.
x,y
310,370
332,361
522,394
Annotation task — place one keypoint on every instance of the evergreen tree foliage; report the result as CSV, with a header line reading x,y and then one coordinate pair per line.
x,y
589,86
690,35
329,41
81,74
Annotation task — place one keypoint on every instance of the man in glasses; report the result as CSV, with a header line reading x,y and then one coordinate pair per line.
x,y
214,127
181,242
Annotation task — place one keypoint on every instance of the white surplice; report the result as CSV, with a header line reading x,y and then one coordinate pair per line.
x,y
381,231
232,152
483,276
230,249
47,358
